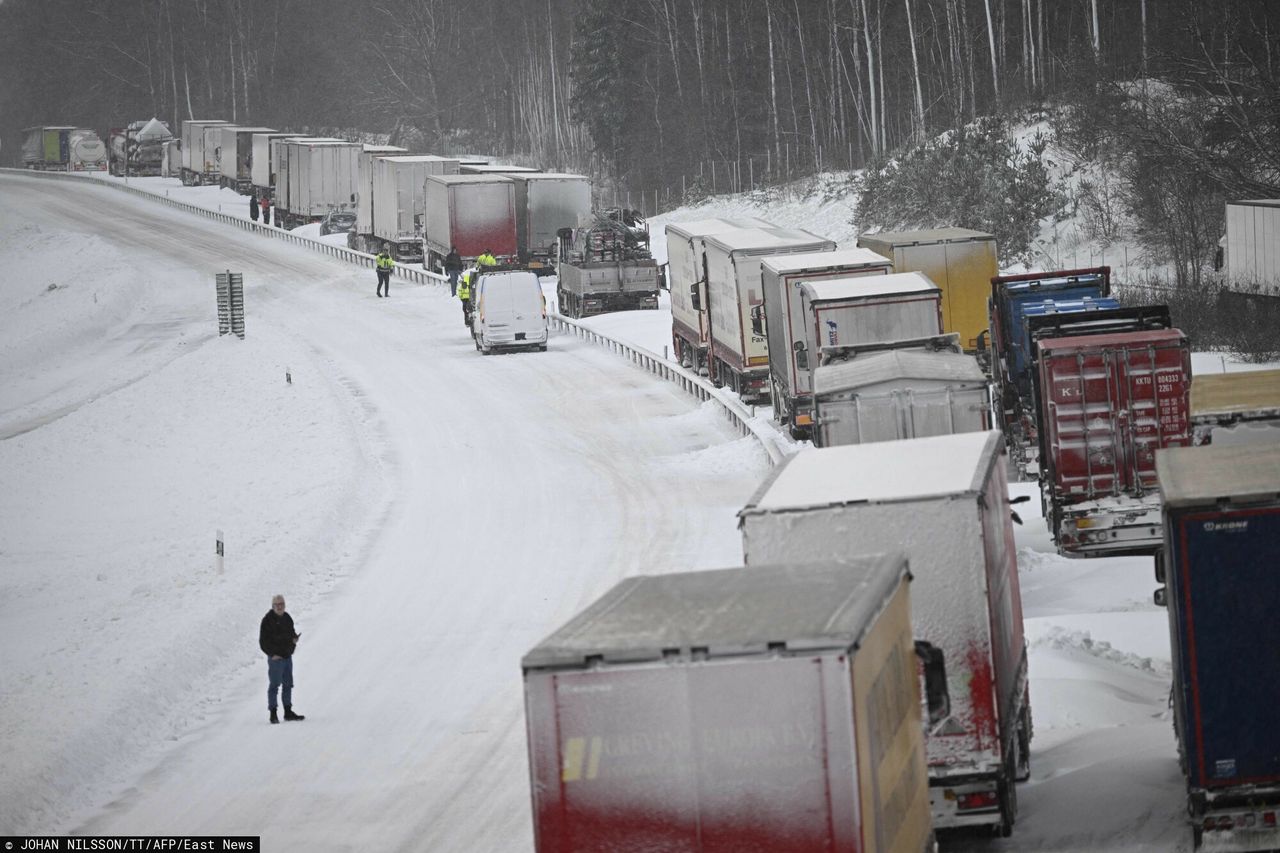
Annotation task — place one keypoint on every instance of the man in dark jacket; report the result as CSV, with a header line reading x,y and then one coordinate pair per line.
x,y
453,269
277,639
253,208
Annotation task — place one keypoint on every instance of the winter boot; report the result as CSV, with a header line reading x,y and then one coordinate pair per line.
x,y
289,715
276,719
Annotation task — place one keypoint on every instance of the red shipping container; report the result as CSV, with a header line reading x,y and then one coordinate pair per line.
x,y
1107,404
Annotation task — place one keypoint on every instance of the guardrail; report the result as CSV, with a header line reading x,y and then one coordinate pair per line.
x,y
744,420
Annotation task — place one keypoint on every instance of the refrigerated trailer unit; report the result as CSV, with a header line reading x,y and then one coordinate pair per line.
x,y
361,237
262,168
829,299
960,261
1235,408
474,213
898,394
195,159
691,712
944,501
235,157
687,282
739,346
1221,535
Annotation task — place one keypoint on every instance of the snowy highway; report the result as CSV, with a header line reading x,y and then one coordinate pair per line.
x,y
429,515
486,500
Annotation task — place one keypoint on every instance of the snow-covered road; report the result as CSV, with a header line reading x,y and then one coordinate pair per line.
x,y
496,497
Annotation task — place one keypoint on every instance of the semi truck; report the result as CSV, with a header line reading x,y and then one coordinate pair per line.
x,y
262,169
63,149
739,346
1251,246
472,213
960,261
196,160
687,283
833,299
606,265
314,177
361,236
1014,300
1221,533
944,501
1235,408
1112,388
690,712
899,393
546,203
138,149
398,202
235,157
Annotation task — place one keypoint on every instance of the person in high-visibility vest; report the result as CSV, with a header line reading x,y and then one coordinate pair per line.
x,y
464,293
486,259
385,265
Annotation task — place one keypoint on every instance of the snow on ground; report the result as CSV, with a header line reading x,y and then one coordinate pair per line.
x,y
430,514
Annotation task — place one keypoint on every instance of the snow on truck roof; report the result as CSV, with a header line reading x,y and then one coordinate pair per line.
x,y
925,235
470,179
729,612
881,471
1231,393
757,239
819,261
1243,473
856,286
875,368
703,227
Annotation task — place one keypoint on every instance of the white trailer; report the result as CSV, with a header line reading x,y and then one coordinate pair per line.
x,y
361,236
687,281
944,500
796,332
1253,244
899,393
171,159
739,348
195,159
235,157
399,201
314,177
262,169
546,203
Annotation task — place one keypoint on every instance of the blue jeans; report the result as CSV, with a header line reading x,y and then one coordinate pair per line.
x,y
453,281
279,674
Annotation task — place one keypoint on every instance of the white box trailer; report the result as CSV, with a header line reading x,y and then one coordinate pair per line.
x,y
212,141
262,168
399,201
1252,253
687,281
945,501
194,157
360,237
897,394
279,148
319,176
795,332
171,159
547,202
474,213
739,348
235,157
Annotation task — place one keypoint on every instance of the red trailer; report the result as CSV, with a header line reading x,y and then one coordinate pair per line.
x,y
693,712
1107,403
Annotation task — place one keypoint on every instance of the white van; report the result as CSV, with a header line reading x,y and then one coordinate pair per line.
x,y
509,311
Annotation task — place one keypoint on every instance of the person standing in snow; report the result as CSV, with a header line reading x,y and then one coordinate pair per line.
x,y
253,208
277,639
385,265
266,210
464,294
453,269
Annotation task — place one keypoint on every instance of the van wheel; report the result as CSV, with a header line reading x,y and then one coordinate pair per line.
x,y
542,348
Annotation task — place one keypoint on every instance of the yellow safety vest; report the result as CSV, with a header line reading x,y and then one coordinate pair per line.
x,y
486,260
464,287
385,262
